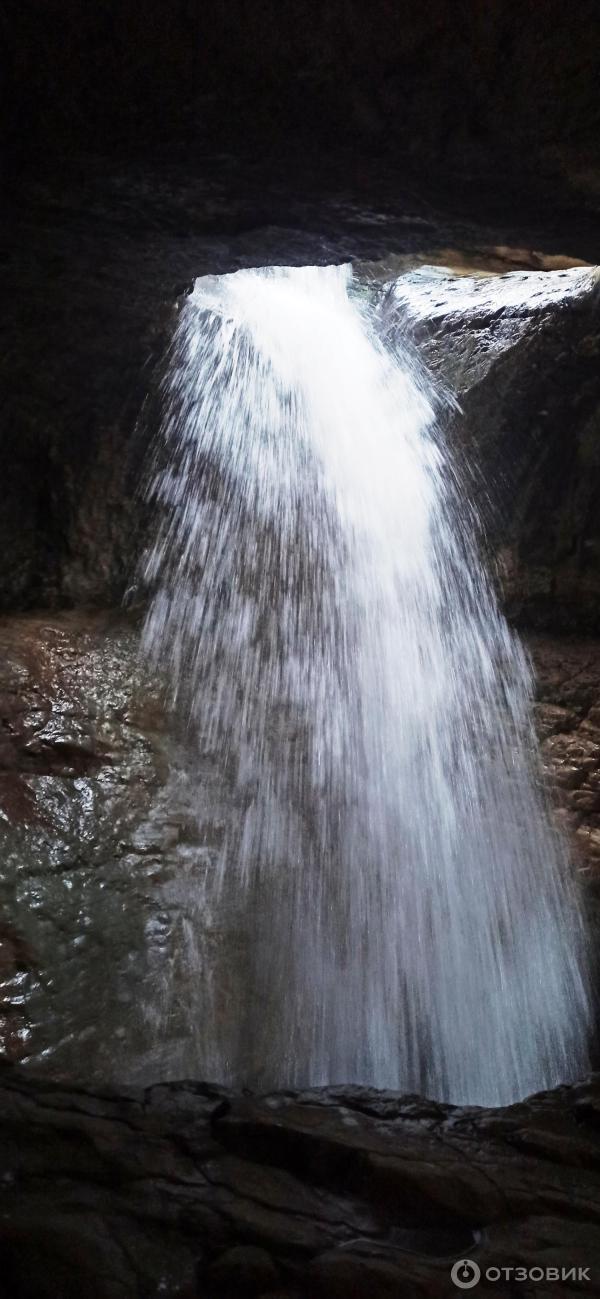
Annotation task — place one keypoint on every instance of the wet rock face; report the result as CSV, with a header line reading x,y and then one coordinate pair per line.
x,y
568,724
187,1190
82,755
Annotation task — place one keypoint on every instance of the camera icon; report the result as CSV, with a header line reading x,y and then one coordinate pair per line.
x,y
465,1274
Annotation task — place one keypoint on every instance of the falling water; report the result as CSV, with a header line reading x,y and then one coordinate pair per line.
x,y
403,910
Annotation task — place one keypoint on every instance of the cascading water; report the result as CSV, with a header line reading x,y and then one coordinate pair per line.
x,y
403,910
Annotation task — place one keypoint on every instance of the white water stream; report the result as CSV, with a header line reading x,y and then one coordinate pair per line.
x,y
404,914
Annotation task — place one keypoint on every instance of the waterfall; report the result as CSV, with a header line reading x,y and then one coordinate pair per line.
x,y
391,904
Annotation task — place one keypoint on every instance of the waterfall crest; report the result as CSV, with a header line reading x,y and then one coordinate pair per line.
x,y
404,914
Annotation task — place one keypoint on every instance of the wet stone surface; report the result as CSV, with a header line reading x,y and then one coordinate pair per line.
x,y
568,723
105,941
87,843
190,1191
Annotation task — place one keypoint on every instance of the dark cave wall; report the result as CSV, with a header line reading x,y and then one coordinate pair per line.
x,y
96,260
76,337
463,87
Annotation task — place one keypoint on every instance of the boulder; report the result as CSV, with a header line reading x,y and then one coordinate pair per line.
x,y
517,356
